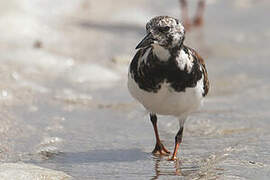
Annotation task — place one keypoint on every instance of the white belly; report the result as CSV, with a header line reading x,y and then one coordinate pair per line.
x,y
166,101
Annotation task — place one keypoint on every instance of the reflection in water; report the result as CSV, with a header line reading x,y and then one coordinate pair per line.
x,y
163,167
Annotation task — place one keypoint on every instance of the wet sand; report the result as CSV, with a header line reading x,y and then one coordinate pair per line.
x,y
65,105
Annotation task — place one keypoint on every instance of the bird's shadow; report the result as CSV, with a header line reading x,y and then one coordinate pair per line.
x,y
100,155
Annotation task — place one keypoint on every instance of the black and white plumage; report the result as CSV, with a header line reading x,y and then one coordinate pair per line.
x,y
167,77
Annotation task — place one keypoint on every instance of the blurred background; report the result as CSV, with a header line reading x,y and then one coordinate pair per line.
x,y
65,105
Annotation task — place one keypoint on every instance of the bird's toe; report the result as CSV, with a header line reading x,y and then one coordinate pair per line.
x,y
160,150
173,158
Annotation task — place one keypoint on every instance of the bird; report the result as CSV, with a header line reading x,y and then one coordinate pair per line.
x,y
198,19
167,77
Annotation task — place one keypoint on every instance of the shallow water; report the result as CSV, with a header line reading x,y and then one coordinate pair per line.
x,y
65,105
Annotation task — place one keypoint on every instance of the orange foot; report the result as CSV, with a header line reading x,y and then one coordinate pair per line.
x,y
160,150
173,158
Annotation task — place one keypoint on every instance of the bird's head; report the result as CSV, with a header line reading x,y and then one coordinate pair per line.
x,y
163,31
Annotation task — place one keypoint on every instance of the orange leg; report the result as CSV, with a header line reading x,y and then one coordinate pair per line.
x,y
159,148
178,140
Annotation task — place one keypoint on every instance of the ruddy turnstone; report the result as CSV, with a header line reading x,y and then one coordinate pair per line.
x,y
167,77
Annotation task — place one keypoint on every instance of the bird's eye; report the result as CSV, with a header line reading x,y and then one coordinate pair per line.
x,y
164,29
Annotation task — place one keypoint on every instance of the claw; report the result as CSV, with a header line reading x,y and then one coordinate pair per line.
x,y
160,150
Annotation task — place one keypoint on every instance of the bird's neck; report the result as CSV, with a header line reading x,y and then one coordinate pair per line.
x,y
164,54
176,50
161,53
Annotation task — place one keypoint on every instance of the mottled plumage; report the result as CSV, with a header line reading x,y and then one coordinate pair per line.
x,y
166,76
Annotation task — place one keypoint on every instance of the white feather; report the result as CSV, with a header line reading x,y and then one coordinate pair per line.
x,y
184,60
162,53
167,101
144,57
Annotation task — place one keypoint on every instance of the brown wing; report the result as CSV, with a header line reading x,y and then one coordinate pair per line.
x,y
205,79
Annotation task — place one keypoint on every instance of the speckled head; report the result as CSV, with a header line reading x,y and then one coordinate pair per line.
x,y
164,31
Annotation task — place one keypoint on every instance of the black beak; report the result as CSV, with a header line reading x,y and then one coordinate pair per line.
x,y
147,41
